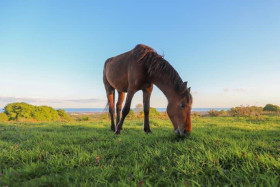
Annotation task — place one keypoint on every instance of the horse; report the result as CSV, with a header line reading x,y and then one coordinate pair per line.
x,y
140,69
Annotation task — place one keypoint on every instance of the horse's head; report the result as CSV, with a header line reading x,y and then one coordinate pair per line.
x,y
179,110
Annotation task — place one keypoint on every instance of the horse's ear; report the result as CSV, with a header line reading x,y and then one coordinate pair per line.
x,y
189,89
184,86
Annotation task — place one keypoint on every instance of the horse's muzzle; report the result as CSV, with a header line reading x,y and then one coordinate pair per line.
x,y
182,132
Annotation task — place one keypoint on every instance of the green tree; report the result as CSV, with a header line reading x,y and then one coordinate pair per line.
x,y
271,107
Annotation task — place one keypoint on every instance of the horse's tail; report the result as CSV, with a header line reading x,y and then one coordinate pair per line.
x,y
107,84
106,108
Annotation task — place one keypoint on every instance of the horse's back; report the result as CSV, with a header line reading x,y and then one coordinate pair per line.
x,y
124,70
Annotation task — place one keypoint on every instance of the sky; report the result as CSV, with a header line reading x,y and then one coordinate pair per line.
x,y
53,52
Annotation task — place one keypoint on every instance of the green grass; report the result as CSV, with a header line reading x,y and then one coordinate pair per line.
x,y
222,151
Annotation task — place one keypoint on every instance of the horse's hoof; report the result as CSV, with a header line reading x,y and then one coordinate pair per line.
x,y
118,132
147,131
113,129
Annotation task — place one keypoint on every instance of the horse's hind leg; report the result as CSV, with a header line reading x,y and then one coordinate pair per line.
x,y
111,101
125,110
119,105
146,102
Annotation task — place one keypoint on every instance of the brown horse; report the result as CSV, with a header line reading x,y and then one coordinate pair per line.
x,y
139,69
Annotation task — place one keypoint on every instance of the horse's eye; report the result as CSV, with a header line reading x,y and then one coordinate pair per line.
x,y
182,105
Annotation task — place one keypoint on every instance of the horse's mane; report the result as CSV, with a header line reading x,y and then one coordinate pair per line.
x,y
156,64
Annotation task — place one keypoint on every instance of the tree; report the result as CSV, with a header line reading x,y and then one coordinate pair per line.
x,y
271,107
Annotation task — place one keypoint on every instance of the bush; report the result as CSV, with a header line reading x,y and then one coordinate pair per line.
x,y
45,113
63,115
271,108
27,112
131,114
195,115
18,111
3,117
248,111
153,112
216,113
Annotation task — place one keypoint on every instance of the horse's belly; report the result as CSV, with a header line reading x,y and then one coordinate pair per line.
x,y
120,86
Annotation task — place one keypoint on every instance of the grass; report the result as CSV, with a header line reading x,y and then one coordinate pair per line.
x,y
222,151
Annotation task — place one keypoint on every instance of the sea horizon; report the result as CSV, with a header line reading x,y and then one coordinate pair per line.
x,y
96,110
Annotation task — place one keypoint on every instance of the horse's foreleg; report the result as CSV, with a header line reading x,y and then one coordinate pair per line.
x,y
111,101
125,110
146,102
119,105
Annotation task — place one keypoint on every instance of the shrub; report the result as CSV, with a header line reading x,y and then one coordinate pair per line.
x,y
248,111
271,108
27,112
153,112
45,113
18,111
63,115
216,113
195,115
131,114
164,115
3,117
223,113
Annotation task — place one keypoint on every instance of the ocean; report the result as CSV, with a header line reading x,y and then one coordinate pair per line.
x,y
92,110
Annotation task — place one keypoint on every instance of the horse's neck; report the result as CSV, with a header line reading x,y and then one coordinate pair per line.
x,y
165,85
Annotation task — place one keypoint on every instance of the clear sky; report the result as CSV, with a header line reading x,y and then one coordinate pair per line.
x,y
52,52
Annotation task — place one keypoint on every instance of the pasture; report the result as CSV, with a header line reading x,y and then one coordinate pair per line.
x,y
221,151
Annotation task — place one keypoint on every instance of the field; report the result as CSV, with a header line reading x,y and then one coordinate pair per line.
x,y
221,151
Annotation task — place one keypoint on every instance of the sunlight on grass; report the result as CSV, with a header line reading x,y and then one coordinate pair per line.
x,y
221,151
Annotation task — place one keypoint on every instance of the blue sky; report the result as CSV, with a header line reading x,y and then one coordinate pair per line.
x,y
52,52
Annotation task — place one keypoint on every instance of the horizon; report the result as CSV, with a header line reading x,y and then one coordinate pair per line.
x,y
52,53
